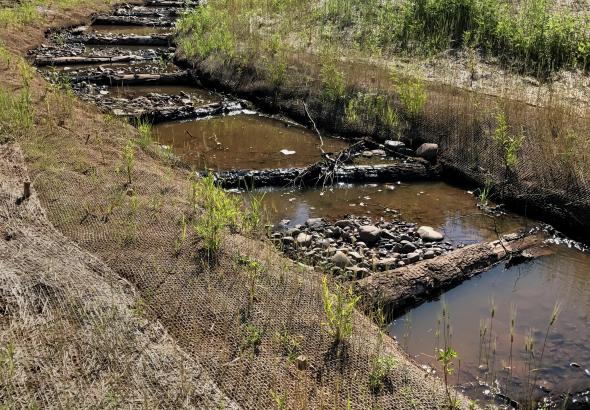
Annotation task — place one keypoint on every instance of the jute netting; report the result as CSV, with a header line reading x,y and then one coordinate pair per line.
x,y
205,306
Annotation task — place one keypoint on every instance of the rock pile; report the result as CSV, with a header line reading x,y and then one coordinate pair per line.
x,y
355,247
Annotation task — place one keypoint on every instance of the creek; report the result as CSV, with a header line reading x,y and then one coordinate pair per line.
x,y
248,140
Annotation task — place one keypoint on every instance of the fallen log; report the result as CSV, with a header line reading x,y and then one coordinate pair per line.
x,y
390,172
131,21
170,3
402,287
180,77
147,12
178,113
53,61
122,40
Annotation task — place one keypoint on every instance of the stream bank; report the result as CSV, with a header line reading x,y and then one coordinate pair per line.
x,y
217,144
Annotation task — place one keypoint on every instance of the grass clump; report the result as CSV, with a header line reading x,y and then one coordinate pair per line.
x,y
16,113
339,309
381,367
220,211
146,134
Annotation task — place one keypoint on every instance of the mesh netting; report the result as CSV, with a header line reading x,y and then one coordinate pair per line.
x,y
205,307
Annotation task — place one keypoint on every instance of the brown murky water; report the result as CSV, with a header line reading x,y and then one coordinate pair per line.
x,y
436,204
243,142
533,289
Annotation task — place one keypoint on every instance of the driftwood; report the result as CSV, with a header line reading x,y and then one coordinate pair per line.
x,y
53,61
406,286
391,172
180,77
122,40
131,21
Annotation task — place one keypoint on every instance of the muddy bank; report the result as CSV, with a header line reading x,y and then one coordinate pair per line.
x,y
556,193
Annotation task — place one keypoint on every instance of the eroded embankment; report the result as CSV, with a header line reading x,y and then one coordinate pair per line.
x,y
130,213
548,180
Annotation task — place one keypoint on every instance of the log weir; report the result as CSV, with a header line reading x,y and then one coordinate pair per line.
x,y
390,172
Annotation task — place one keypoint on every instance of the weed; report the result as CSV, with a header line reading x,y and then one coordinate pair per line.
x,y
339,309
179,241
381,367
291,345
508,143
253,268
279,399
251,337
333,82
145,131
254,218
129,160
220,210
411,92
447,355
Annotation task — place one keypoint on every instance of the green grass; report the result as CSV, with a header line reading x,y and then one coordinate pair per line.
x,y
533,36
16,113
339,309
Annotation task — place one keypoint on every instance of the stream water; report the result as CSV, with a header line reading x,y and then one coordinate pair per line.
x,y
252,141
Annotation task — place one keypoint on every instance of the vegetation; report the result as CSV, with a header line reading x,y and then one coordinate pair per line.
x,y
531,36
381,367
339,309
220,211
129,160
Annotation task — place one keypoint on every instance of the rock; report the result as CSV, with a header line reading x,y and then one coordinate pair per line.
x,y
428,151
341,260
428,234
293,232
303,239
367,154
379,152
386,263
344,223
315,223
288,240
408,247
369,234
394,145
355,255
359,272
429,255
412,257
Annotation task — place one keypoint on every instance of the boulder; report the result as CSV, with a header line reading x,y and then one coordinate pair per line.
x,y
369,234
428,151
412,257
429,234
341,260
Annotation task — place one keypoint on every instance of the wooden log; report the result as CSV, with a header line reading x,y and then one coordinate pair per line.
x,y
151,12
180,77
131,21
390,172
170,3
122,40
408,285
53,61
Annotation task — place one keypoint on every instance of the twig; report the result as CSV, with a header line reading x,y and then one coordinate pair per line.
x,y
314,127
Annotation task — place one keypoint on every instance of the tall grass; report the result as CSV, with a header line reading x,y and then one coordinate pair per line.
x,y
532,36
